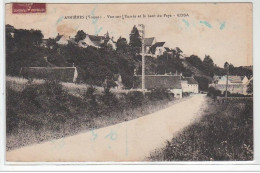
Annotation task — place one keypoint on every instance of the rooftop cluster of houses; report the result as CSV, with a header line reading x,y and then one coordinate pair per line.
x,y
234,84
176,83
90,40
152,47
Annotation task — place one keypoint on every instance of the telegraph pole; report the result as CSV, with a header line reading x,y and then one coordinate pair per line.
x,y
226,96
143,55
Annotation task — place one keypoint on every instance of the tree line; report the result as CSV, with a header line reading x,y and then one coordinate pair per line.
x,y
24,49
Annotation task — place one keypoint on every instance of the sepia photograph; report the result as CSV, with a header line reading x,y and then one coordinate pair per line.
x,y
129,82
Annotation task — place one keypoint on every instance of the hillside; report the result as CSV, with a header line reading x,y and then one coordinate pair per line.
x,y
195,71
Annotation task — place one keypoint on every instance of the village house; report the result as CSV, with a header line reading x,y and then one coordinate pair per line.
x,y
90,40
158,49
97,41
62,39
63,74
167,82
236,84
148,42
190,85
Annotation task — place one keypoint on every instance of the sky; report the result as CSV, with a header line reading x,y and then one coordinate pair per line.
x,y
221,30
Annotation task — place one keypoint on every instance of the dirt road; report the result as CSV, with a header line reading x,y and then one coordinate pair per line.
x,y
128,141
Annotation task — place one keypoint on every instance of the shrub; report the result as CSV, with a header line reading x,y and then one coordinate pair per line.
x,y
48,96
212,92
185,94
90,97
228,94
109,98
158,94
135,98
12,119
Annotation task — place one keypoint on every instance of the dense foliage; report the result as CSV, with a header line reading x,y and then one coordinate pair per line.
x,y
26,48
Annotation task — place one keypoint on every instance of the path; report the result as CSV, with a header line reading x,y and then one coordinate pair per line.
x,y
128,141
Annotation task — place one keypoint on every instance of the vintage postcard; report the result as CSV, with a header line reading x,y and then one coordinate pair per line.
x,y
130,82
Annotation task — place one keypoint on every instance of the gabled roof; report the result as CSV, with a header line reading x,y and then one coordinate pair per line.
x,y
148,41
72,40
97,40
235,79
157,44
190,80
158,82
64,74
167,49
58,37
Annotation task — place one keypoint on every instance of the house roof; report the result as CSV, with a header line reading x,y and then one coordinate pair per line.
x,y
149,41
235,79
154,46
58,37
167,49
64,74
190,80
72,40
97,40
158,82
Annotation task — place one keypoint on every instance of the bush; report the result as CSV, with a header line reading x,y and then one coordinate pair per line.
x,y
212,92
185,94
109,98
158,94
135,98
12,119
228,94
90,97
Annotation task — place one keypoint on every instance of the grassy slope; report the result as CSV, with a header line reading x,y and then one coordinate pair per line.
x,y
225,132
41,112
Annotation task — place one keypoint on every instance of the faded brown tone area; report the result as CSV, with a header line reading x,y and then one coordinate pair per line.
x,y
232,43
65,29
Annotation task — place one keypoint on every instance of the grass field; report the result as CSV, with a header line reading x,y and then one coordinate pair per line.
x,y
224,133
41,111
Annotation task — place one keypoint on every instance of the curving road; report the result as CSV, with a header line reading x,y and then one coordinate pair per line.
x,y
128,141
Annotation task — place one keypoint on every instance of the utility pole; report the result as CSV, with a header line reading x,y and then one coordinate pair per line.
x,y
142,31
226,96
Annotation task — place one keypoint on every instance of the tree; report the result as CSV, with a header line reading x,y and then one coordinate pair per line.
x,y
208,65
81,35
178,52
51,43
27,38
121,45
250,87
135,41
226,65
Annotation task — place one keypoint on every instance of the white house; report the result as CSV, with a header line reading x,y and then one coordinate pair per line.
x,y
236,84
159,48
190,85
62,40
167,82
